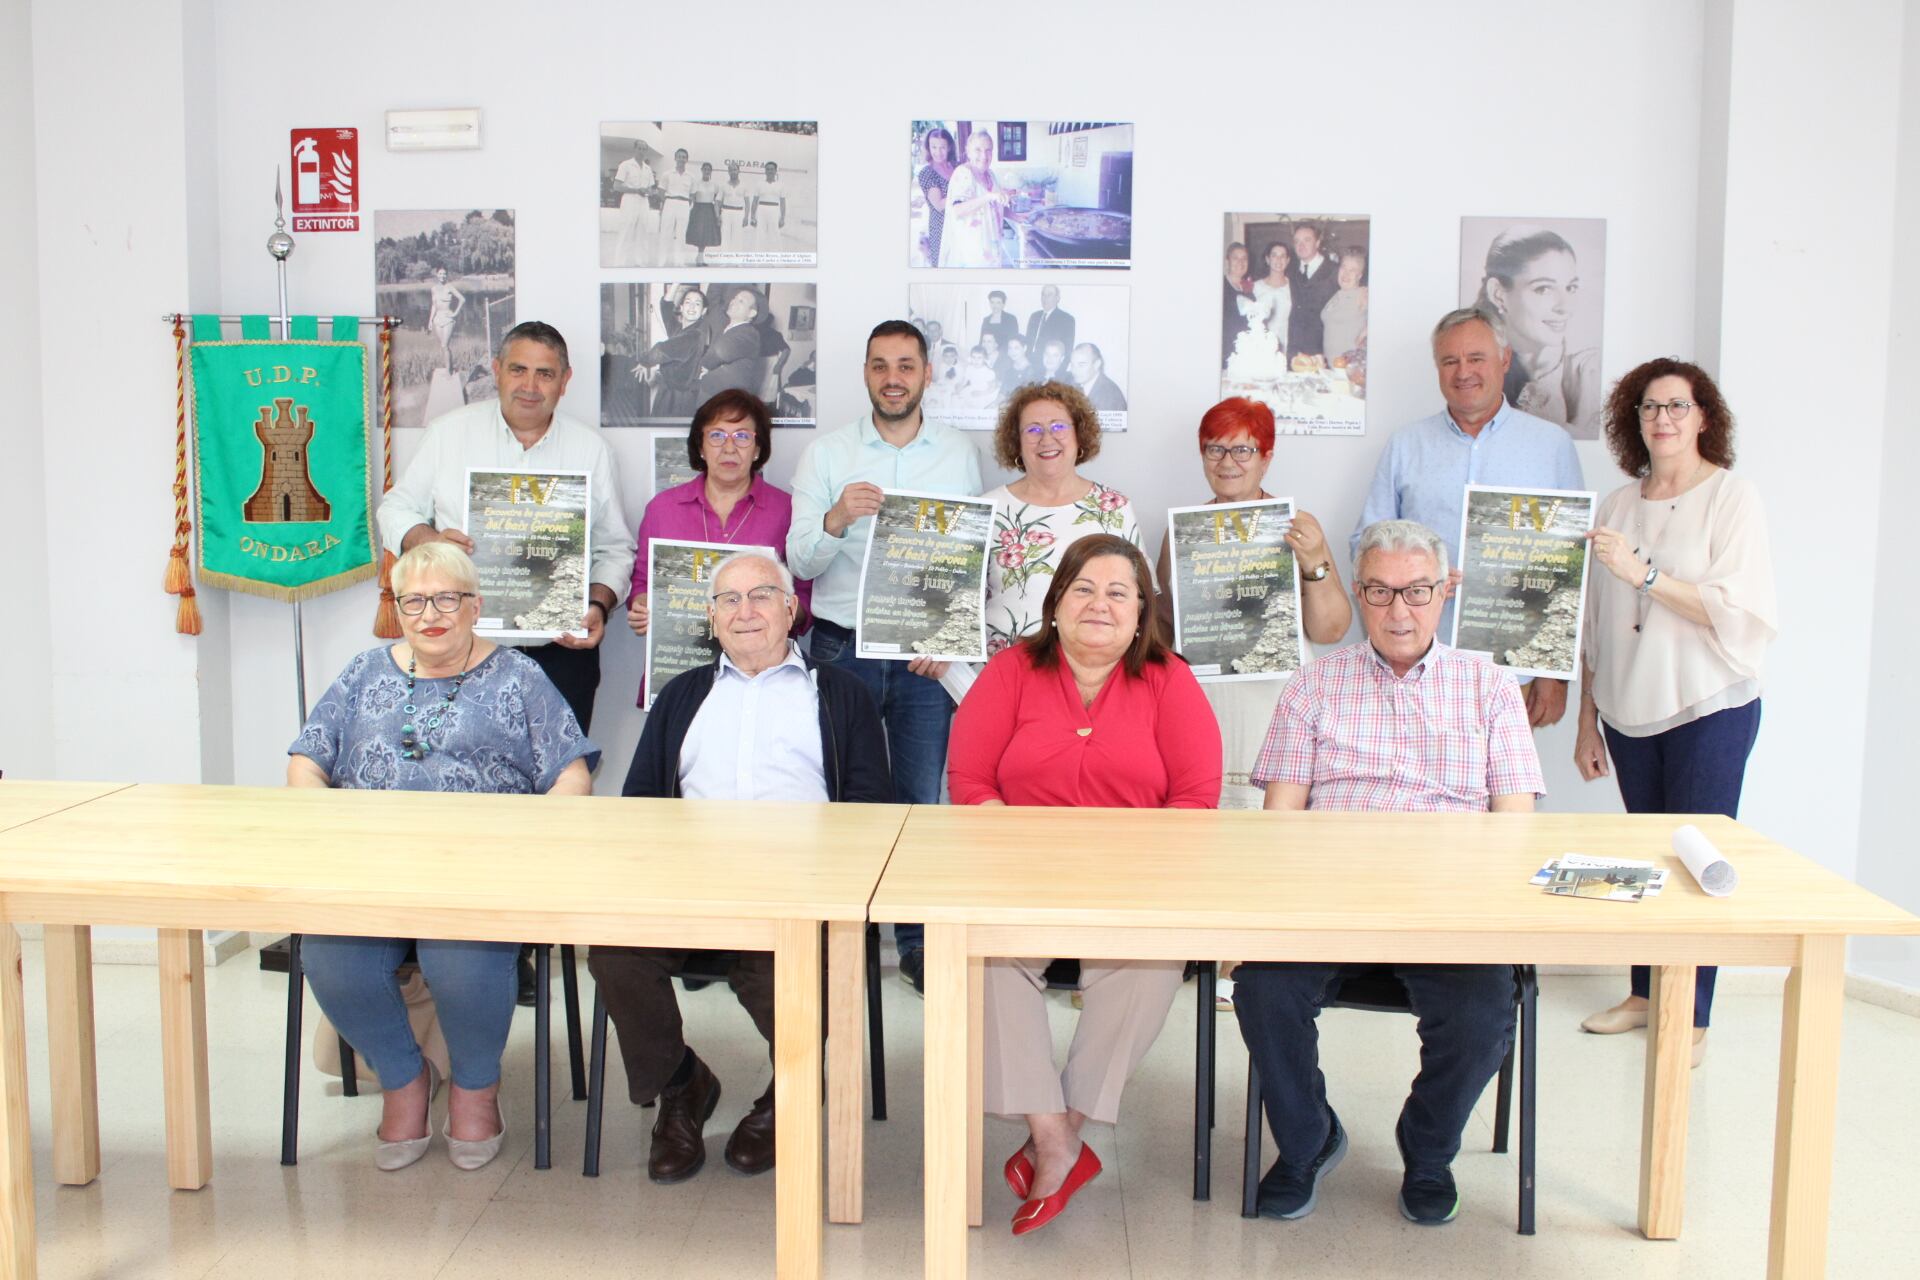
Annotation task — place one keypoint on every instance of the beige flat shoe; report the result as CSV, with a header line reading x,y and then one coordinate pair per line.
x,y
1615,1020
473,1155
390,1157
1699,1045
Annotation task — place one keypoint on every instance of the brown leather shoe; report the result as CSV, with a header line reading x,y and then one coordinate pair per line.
x,y
679,1149
750,1149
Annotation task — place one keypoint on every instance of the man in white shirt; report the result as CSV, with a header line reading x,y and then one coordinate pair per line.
x,y
768,191
678,185
761,722
634,178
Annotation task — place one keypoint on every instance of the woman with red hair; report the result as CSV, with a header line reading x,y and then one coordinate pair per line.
x,y
1236,448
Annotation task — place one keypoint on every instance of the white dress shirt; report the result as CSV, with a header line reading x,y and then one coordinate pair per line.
x,y
756,737
433,488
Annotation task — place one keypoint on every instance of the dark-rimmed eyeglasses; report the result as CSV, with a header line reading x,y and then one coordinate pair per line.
x,y
1240,452
1676,409
762,597
1416,594
443,602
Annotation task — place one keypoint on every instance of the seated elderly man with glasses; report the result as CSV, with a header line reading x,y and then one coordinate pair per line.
x,y
1399,723
760,722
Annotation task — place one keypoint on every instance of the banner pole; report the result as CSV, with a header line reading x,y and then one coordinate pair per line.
x,y
280,244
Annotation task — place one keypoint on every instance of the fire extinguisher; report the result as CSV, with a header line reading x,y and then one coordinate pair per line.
x,y
306,174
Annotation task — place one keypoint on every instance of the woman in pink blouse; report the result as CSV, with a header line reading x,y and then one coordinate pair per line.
x,y
730,502
1092,710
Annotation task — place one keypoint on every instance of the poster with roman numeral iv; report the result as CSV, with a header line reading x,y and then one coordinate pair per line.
x,y
529,532
923,584
1523,598
1236,590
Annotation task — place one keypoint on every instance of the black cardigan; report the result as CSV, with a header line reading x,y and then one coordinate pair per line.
x,y
853,746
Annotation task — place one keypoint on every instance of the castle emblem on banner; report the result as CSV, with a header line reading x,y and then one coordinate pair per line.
x,y
286,493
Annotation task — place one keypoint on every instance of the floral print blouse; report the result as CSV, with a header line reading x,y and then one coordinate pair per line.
x,y
1028,542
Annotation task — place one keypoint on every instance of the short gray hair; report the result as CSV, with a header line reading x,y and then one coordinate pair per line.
x,y
1470,315
738,557
1401,535
434,556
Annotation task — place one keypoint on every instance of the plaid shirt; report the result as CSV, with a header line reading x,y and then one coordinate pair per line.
x,y
1445,737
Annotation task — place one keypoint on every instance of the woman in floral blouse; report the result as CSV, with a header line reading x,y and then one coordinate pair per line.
x,y
1046,431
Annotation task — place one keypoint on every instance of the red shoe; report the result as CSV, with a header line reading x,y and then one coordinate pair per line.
x,y
1035,1214
1019,1172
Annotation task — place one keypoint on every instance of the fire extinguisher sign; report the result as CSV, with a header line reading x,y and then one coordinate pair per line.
x,y
326,180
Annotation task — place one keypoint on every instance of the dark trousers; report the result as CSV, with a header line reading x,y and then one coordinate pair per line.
x,y
1695,768
574,672
1465,1017
918,714
637,984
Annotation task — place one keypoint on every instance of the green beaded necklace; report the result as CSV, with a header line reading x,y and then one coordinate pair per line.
x,y
412,746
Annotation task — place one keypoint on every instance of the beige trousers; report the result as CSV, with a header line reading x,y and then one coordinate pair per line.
x,y
1125,1004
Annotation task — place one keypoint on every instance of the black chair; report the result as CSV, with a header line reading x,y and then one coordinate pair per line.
x,y
1378,990
288,956
703,968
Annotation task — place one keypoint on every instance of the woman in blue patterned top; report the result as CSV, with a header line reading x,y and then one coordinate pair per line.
x,y
443,710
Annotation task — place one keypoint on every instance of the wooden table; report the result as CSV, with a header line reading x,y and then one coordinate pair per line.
x,y
582,870
1377,887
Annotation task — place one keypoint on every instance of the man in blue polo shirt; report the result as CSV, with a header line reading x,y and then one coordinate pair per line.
x,y
1477,439
836,491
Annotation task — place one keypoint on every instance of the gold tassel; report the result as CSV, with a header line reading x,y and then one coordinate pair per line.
x,y
187,621
177,579
386,619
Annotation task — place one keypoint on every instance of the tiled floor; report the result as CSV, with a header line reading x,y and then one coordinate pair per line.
x,y
335,1215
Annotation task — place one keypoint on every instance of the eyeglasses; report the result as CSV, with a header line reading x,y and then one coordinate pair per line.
x,y
1240,452
728,601
1415,594
1035,430
443,602
742,437
1678,409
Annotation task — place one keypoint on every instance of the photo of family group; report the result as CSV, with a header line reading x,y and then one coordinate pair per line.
x,y
1020,193
986,340
665,349
732,193
1543,278
448,275
1293,330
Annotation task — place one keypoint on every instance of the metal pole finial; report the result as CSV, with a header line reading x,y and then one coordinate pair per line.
x,y
279,244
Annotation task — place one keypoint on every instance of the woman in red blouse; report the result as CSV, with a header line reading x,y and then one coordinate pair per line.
x,y
1093,710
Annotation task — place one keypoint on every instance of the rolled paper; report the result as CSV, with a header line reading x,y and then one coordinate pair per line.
x,y
1706,864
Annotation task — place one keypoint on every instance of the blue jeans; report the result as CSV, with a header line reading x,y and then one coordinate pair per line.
x,y
473,985
1693,768
1465,1014
917,713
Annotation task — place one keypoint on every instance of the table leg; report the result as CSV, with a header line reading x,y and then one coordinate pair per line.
x,y
70,1055
799,1240
1803,1123
183,1059
976,1087
16,1160
946,1056
846,1068
1663,1125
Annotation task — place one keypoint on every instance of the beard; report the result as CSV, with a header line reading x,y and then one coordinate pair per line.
x,y
911,407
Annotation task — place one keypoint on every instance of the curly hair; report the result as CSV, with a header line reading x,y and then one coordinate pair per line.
x,y
1146,645
1622,416
1086,422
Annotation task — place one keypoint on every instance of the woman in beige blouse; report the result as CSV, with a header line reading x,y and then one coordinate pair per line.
x,y
1678,623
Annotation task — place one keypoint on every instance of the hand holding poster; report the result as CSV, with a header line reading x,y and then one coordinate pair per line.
x,y
1236,590
923,584
529,532
1523,599
679,580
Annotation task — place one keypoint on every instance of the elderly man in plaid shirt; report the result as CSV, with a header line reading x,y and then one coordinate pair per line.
x,y
1401,723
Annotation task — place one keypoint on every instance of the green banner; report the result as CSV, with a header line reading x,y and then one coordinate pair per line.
x,y
280,443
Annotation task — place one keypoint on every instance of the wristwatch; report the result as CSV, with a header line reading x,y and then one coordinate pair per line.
x,y
1647,584
1318,574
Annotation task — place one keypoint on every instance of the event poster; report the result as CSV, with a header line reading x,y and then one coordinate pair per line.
x,y
923,584
448,275
985,341
1293,327
679,582
1013,194
1545,279
1523,597
1236,590
668,348
714,193
529,532
670,465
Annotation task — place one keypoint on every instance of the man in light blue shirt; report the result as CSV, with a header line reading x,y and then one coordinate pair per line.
x,y
1477,439
836,491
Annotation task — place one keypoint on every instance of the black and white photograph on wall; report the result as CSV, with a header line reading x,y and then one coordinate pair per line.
x,y
1545,279
670,465
719,193
1293,328
984,341
667,348
448,275
1020,193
